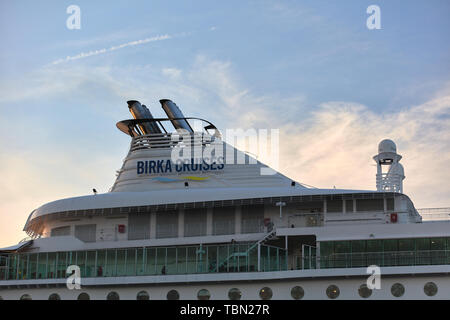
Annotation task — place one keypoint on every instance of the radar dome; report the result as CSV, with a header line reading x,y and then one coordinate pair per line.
x,y
387,145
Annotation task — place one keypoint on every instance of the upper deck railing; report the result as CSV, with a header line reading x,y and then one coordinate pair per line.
x,y
170,140
434,214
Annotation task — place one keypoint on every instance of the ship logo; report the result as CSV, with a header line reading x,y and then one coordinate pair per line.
x,y
191,178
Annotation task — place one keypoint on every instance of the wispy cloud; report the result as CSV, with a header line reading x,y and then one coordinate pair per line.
x,y
113,48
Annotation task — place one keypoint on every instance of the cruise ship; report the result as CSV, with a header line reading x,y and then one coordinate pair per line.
x,y
191,217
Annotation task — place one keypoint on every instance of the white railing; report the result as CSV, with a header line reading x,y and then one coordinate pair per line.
x,y
434,214
170,140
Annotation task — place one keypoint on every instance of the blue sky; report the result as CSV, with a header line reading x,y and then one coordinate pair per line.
x,y
285,64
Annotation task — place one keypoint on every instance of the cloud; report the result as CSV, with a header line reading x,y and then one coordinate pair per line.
x,y
83,55
173,73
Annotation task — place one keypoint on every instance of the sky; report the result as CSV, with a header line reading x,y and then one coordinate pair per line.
x,y
312,69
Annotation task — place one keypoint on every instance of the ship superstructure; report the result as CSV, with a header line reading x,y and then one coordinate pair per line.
x,y
189,216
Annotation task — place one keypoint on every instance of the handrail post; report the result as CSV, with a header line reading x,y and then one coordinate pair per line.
x,y
259,257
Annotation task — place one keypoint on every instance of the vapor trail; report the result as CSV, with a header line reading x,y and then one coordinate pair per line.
x,y
113,48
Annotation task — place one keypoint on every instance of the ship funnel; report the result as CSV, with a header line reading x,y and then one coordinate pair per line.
x,y
141,112
174,114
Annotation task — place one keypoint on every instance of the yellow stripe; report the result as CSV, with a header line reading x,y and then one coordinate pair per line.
x,y
196,178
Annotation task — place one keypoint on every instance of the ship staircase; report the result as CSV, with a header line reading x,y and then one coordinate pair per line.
x,y
234,257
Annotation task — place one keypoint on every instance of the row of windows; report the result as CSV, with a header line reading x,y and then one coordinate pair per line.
x,y
297,293
387,252
234,257
384,245
223,222
360,205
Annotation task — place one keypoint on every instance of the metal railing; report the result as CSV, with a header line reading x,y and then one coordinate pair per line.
x,y
385,259
434,214
170,140
143,261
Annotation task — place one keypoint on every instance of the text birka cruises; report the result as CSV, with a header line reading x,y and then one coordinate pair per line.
x,y
167,166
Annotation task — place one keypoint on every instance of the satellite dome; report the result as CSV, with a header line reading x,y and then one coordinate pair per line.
x,y
387,145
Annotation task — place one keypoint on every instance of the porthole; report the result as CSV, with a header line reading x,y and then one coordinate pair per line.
x,y
265,293
234,294
54,296
173,295
297,293
397,290
364,291
333,292
25,297
113,296
430,289
143,295
83,296
203,294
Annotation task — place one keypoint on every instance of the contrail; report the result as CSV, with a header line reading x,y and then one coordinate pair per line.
x,y
113,48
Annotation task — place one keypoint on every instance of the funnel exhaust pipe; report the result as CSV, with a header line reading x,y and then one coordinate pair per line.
x,y
174,112
142,112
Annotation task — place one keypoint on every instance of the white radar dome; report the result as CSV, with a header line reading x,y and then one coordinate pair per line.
x,y
387,145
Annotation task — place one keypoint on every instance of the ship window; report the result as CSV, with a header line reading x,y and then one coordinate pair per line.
x,y
25,297
60,231
364,291
334,206
252,219
430,289
397,290
390,245
348,205
333,291
143,295
406,245
203,294
54,296
423,244
390,204
167,224
195,222
297,292
223,221
234,294
437,244
374,245
86,232
173,295
138,226
358,246
369,205
265,293
326,248
83,296
342,247
113,296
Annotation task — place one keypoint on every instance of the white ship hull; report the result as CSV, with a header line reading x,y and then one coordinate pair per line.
x,y
313,283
